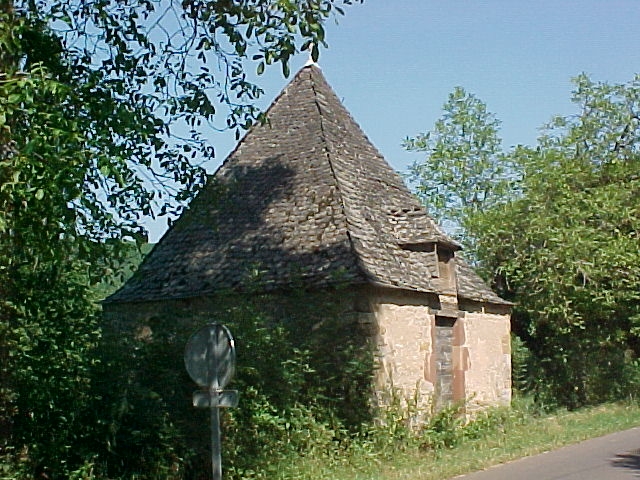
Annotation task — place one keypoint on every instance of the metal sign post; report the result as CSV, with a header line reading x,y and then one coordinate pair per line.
x,y
210,359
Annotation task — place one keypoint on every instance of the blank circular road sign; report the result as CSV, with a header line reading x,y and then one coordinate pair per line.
x,y
210,356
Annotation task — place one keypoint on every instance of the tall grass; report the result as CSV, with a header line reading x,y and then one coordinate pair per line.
x,y
450,444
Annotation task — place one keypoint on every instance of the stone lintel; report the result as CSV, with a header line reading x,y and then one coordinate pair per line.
x,y
448,306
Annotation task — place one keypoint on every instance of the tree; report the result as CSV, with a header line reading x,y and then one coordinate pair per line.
x,y
562,240
464,169
567,251
104,110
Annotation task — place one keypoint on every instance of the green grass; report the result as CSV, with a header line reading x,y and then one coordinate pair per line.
x,y
499,437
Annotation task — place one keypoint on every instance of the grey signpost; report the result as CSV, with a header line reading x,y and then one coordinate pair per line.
x,y
210,359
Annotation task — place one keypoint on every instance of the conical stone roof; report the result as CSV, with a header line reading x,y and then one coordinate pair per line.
x,y
304,200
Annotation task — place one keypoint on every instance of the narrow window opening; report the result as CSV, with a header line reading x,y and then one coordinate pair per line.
x,y
444,362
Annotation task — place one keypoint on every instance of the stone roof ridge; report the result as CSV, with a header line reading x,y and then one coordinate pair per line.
x,y
273,103
329,105
409,206
313,65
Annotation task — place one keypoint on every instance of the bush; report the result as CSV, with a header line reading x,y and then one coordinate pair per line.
x,y
301,383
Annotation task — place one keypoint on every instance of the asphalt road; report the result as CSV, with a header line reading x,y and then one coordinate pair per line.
x,y
612,457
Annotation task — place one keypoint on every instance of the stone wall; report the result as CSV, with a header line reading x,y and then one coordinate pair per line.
x,y
302,310
418,353
333,326
485,355
405,323
437,359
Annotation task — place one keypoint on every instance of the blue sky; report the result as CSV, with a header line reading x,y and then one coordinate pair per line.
x,y
394,62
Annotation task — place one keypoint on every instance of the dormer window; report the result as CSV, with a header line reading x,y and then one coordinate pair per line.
x,y
446,265
429,252
439,258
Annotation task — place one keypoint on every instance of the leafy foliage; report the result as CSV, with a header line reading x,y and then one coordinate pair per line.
x,y
464,169
106,109
569,246
48,323
563,244
294,402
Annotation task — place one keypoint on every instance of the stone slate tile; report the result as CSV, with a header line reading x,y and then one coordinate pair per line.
x,y
305,196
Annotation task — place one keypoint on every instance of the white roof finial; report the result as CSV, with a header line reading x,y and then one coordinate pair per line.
x,y
310,60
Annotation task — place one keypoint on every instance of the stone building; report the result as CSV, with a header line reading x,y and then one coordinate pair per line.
x,y
305,202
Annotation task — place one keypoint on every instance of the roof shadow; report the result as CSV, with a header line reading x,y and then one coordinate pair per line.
x,y
253,227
